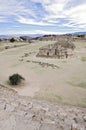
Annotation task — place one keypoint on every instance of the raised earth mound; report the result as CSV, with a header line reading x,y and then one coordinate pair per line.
x,y
22,113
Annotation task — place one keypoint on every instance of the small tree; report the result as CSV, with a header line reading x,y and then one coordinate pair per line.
x,y
12,40
15,79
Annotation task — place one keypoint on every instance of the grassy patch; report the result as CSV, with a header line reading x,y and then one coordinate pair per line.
x,y
84,100
83,59
64,61
81,84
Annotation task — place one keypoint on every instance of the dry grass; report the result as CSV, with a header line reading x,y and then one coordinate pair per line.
x,y
81,84
42,81
83,59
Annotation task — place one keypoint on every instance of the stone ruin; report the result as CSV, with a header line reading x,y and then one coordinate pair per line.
x,y
60,49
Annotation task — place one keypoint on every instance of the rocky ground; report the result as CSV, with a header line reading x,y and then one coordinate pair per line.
x,y
21,113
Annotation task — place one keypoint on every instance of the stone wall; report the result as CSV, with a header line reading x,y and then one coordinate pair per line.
x,y
57,50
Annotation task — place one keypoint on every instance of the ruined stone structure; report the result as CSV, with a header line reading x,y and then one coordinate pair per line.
x,y
61,49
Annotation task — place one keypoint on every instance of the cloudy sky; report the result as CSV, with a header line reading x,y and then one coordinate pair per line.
x,y
42,16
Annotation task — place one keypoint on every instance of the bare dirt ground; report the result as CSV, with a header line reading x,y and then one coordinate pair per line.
x,y
58,80
23,113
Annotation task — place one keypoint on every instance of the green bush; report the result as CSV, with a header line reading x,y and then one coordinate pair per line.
x,y
12,40
15,79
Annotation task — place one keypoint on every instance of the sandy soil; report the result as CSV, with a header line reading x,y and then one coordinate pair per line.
x,y
66,83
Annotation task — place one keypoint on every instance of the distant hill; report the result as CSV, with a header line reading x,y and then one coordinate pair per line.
x,y
27,37
34,35
79,33
4,36
18,35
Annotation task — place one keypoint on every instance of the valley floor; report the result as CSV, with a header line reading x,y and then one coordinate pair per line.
x,y
55,80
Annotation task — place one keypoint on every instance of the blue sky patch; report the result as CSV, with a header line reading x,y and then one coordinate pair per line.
x,y
42,16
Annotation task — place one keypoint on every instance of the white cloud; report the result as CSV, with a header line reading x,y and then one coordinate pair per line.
x,y
55,10
49,32
74,16
77,16
14,8
44,2
12,32
63,14
2,19
32,21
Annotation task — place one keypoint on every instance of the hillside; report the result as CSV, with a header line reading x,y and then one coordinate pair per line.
x,y
30,38
53,95
21,113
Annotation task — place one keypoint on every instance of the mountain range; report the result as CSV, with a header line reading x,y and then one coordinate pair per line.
x,y
34,35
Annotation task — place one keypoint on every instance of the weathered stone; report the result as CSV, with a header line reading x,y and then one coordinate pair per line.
x,y
2,104
61,49
9,108
74,127
48,127
20,113
84,118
